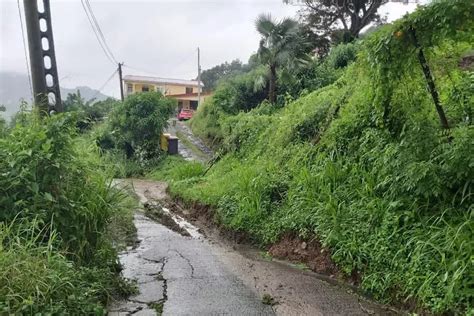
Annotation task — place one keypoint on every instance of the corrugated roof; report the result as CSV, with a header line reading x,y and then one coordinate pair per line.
x,y
149,79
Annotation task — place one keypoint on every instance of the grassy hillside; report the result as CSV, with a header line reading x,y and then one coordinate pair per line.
x,y
364,166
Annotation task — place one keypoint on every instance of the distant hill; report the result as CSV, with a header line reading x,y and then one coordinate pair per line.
x,y
14,87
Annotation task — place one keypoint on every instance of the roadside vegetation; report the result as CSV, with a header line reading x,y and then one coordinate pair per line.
x,y
57,211
360,149
62,218
130,138
364,142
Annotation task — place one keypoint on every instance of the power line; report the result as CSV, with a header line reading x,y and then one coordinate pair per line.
x,y
24,49
100,30
138,69
112,60
103,86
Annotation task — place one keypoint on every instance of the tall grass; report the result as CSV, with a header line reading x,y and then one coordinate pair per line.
x,y
392,200
56,203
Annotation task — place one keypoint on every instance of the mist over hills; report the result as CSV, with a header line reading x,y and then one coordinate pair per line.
x,y
14,87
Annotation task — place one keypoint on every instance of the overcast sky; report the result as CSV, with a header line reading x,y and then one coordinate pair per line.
x,y
156,37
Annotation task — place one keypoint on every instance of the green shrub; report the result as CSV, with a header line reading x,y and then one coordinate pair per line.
x,y
56,204
45,175
239,93
137,123
206,122
342,55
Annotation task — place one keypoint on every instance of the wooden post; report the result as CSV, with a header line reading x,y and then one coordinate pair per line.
x,y
121,82
430,81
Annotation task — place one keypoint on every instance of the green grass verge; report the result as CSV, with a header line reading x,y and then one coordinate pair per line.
x,y
175,168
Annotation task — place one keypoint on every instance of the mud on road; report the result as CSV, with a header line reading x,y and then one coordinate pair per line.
x,y
190,147
189,274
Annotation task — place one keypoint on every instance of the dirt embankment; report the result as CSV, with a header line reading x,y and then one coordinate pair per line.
x,y
311,253
290,247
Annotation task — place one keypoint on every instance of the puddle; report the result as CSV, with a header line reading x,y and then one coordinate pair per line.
x,y
184,224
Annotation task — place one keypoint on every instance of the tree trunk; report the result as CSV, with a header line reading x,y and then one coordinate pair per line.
x,y
272,87
430,81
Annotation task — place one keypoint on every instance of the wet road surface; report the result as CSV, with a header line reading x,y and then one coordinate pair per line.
x,y
182,274
180,128
197,275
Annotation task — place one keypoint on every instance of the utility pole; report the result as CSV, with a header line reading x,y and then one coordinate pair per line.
x,y
120,78
44,72
199,77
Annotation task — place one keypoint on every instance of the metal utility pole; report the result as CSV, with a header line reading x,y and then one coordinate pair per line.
x,y
44,71
199,77
120,78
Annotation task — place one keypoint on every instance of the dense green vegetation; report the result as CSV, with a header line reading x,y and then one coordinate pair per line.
x,y
61,219
131,135
88,112
57,205
211,77
244,92
351,148
362,162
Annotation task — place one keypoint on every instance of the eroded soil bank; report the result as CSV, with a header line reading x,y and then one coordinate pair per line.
x,y
192,274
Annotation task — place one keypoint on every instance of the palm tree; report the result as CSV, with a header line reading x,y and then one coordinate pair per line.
x,y
280,46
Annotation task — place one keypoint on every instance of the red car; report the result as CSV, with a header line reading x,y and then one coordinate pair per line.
x,y
185,114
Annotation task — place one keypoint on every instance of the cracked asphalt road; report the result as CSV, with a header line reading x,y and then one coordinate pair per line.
x,y
197,275
181,273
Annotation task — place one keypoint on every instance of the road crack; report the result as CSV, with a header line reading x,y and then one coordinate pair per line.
x,y
187,261
154,260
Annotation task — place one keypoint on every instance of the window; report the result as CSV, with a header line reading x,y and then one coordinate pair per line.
x,y
194,105
129,88
189,90
145,88
160,89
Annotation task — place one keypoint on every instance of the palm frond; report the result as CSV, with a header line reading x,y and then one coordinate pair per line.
x,y
265,24
288,26
260,83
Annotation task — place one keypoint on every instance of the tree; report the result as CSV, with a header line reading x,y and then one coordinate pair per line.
x,y
74,102
281,45
341,20
89,112
210,77
3,123
137,123
239,93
